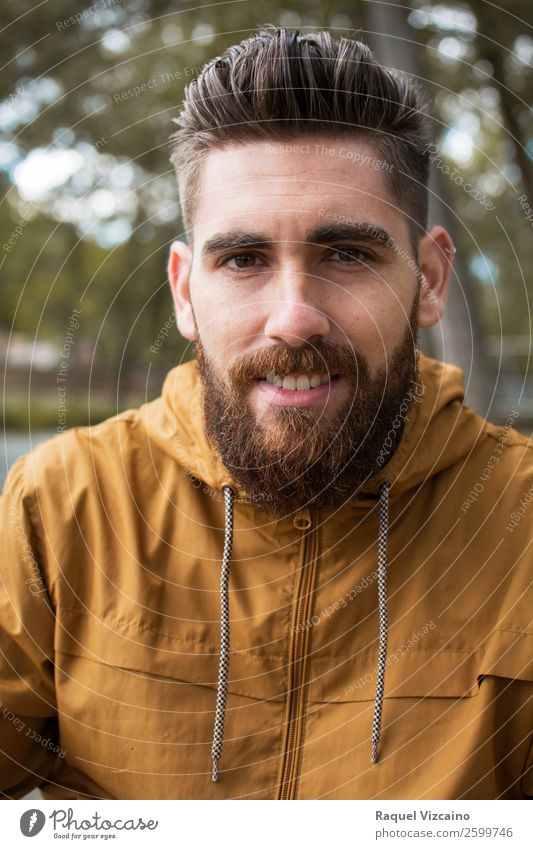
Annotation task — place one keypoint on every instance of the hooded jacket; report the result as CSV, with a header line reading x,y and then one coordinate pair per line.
x,y
162,637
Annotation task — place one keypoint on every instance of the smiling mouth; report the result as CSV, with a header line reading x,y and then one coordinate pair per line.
x,y
296,381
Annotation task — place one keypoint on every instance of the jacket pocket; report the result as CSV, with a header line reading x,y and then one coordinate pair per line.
x,y
150,648
418,673
413,671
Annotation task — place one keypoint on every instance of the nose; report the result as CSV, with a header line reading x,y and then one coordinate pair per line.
x,y
295,313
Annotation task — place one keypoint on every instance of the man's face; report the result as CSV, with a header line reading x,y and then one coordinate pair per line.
x,y
302,296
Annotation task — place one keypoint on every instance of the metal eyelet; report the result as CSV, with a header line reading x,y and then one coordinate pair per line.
x,y
302,520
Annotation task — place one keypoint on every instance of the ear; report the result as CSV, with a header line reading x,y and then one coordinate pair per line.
x,y
435,261
179,269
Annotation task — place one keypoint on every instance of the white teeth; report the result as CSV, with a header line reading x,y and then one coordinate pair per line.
x,y
300,381
303,382
289,382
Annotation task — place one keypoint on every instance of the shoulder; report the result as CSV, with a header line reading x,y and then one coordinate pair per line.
x,y
507,434
499,458
504,461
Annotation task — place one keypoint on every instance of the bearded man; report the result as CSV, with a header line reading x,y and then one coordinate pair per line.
x,y
273,582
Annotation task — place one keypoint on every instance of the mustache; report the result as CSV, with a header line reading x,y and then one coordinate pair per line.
x,y
319,358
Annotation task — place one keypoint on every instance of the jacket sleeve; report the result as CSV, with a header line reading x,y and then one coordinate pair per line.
x,y
28,717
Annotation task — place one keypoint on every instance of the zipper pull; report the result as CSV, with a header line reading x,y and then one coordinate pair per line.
x,y
302,520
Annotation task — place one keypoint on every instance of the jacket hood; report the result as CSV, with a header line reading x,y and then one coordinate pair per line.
x,y
438,429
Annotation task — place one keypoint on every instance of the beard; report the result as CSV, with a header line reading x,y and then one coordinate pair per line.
x,y
307,457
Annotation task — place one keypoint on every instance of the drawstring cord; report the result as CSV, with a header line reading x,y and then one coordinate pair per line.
x,y
382,602
223,668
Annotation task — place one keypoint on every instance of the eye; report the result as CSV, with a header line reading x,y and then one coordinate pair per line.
x,y
243,261
352,256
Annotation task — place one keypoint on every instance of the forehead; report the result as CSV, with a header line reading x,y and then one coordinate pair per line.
x,y
294,183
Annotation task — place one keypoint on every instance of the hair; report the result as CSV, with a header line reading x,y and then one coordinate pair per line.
x,y
279,84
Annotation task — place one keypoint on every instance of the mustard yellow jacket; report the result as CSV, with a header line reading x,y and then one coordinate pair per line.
x,y
111,650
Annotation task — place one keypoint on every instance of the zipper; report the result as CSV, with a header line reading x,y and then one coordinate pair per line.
x,y
298,659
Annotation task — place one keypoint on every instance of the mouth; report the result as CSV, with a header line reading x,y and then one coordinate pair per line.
x,y
297,381
299,390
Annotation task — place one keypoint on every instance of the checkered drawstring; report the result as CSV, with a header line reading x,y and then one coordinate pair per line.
x,y
223,668
382,601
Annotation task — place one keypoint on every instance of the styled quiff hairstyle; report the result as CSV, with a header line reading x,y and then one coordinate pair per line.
x,y
279,85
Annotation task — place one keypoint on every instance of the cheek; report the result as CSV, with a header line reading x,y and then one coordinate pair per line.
x,y
359,317
375,325
228,328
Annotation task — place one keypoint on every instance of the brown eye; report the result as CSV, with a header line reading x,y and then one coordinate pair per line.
x,y
242,261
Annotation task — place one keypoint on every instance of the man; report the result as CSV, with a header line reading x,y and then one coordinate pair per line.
x,y
295,574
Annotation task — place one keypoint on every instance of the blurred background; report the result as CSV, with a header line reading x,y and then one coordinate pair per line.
x,y
89,201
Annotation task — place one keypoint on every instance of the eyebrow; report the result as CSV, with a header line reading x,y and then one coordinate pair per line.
x,y
360,231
